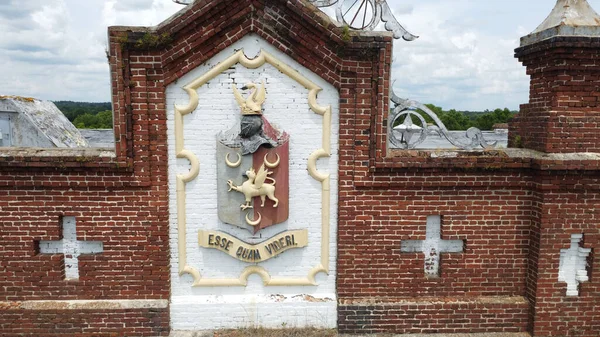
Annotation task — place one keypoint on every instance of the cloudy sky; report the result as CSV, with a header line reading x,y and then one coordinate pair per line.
x,y
55,49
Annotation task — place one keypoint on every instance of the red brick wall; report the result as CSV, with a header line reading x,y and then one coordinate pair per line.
x,y
494,222
123,201
515,213
570,205
97,323
433,316
489,209
562,116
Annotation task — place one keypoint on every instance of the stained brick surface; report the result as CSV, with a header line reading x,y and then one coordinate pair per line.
x,y
563,112
123,201
101,323
514,214
433,318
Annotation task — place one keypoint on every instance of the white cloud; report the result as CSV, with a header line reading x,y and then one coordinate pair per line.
x,y
49,56
137,12
132,5
52,17
454,63
54,49
39,27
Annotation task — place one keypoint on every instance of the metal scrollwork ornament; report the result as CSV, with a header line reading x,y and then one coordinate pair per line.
x,y
359,15
366,15
408,135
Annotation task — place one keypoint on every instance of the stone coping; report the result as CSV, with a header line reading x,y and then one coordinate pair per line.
x,y
211,333
518,300
63,159
57,152
485,334
581,31
84,305
511,158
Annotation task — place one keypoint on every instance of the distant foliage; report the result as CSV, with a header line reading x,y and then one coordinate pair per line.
x,y
85,115
487,120
462,120
73,109
101,120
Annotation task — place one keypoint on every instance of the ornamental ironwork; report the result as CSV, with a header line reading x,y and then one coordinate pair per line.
x,y
408,128
366,15
359,15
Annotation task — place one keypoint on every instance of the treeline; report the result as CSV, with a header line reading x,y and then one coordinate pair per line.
x,y
462,120
85,115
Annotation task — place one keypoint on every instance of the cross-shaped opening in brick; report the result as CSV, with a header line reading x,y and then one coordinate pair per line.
x,y
573,265
432,246
70,247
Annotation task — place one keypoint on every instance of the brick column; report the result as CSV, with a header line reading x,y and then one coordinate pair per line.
x,y
563,59
563,113
562,119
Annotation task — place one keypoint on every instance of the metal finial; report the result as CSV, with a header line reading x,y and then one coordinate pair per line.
x,y
575,13
568,18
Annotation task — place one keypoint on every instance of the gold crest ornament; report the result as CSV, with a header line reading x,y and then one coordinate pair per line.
x,y
252,105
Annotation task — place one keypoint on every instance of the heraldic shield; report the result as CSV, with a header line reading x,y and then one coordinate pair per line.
x,y
253,168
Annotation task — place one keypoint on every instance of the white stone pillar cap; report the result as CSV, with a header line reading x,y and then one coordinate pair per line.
x,y
568,18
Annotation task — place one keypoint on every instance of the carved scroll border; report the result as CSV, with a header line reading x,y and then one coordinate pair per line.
x,y
183,179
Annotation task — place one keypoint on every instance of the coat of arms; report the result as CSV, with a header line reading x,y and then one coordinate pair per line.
x,y
252,166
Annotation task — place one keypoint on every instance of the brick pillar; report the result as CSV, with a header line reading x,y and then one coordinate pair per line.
x,y
562,56
563,113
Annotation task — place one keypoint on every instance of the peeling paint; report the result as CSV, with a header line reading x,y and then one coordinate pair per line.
x,y
310,298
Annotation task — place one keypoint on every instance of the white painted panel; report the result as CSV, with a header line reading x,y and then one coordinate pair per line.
x,y
286,106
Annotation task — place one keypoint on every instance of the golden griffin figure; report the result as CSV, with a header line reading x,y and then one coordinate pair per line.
x,y
255,186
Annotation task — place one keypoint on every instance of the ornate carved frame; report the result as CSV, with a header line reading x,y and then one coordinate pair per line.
x,y
182,179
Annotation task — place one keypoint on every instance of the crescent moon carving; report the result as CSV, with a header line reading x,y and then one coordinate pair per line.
x,y
233,165
255,222
272,165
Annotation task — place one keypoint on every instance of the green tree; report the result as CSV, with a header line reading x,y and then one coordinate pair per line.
x,y
487,120
102,120
105,119
455,120
462,120
73,109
